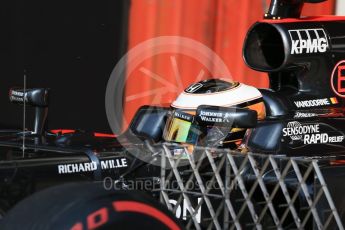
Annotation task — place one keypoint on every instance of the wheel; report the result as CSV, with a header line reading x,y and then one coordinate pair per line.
x,y
88,206
3,208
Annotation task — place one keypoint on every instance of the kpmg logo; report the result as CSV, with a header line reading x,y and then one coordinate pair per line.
x,y
308,41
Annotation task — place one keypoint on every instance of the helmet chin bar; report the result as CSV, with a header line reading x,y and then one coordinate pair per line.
x,y
37,98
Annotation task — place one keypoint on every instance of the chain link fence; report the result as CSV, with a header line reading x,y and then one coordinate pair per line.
x,y
221,189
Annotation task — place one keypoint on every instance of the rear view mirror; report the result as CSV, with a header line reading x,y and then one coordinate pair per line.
x,y
32,97
226,117
149,122
37,98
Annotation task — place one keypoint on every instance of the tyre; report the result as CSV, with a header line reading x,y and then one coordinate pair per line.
x,y
88,206
3,208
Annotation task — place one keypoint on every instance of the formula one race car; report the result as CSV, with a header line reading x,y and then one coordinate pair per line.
x,y
301,115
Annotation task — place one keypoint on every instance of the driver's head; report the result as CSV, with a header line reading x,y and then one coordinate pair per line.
x,y
181,126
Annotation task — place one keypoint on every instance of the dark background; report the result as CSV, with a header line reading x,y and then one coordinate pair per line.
x,y
68,46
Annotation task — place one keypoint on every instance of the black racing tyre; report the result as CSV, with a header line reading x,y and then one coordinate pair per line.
x,y
84,206
3,208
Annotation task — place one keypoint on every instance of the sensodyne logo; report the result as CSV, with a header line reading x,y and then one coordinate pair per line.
x,y
296,131
308,41
309,134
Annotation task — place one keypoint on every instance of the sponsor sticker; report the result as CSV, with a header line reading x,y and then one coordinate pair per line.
x,y
211,116
183,116
92,166
308,41
338,79
334,100
182,212
316,102
216,117
304,115
194,87
17,96
309,134
17,93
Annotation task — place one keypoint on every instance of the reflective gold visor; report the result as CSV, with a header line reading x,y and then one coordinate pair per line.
x,y
180,128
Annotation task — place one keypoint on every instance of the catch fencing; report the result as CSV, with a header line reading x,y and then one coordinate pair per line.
x,y
222,189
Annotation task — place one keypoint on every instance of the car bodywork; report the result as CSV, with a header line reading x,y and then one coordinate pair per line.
x,y
304,59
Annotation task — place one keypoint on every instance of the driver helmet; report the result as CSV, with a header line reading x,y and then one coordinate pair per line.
x,y
181,127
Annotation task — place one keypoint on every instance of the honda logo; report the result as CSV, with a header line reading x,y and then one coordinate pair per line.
x,y
193,88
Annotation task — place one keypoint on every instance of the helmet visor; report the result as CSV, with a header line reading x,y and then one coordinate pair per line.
x,y
181,128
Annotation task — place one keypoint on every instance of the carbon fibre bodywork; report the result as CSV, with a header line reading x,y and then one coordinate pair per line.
x,y
305,61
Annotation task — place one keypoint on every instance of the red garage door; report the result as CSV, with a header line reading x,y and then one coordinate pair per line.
x,y
219,24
